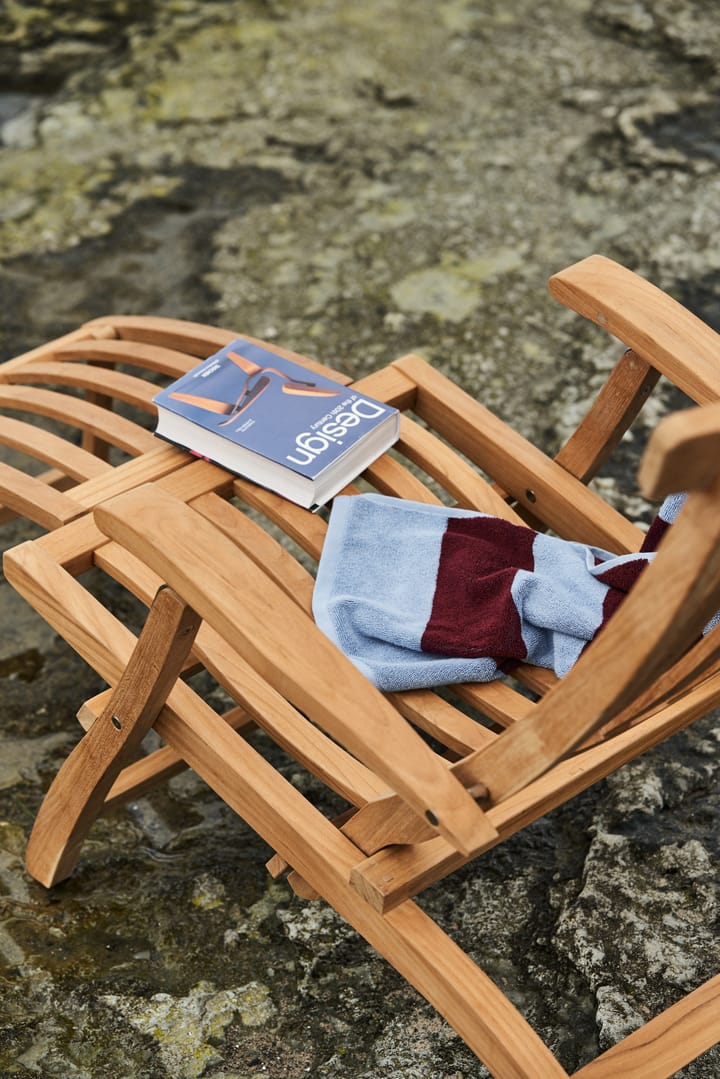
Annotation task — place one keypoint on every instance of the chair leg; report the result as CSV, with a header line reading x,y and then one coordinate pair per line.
x,y
666,1043
76,796
461,992
324,858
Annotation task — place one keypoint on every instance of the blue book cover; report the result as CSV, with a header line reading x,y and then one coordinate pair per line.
x,y
247,400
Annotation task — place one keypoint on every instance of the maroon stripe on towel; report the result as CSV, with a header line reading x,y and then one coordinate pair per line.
x,y
654,534
619,580
473,612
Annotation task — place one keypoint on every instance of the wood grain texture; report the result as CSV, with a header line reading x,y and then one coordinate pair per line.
x,y
654,325
31,498
659,1048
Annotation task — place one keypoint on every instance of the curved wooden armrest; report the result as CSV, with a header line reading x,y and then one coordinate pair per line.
x,y
683,453
659,620
282,642
659,329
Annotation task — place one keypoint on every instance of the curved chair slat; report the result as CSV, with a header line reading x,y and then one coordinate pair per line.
x,y
58,452
75,412
101,380
166,361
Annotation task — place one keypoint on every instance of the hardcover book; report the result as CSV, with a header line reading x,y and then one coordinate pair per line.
x,y
277,423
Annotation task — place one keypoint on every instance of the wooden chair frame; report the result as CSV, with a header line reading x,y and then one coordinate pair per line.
x,y
413,813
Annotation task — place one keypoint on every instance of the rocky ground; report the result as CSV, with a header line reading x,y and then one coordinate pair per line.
x,y
354,180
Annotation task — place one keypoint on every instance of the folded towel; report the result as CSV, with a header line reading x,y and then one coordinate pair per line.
x,y
419,595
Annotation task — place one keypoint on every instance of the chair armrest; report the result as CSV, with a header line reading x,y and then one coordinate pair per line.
x,y
659,329
281,641
659,620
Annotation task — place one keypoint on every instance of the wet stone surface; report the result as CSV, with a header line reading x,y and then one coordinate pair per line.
x,y
353,184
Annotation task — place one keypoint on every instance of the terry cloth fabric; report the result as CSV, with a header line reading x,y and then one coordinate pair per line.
x,y
420,595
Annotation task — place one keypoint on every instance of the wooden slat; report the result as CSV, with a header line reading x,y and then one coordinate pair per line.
x,y
392,478
453,473
647,320
128,570
193,338
50,448
31,498
156,463
616,406
101,380
46,350
496,700
393,386
538,483
198,339
165,361
76,412
195,478
265,551
538,679
438,718
306,529
659,1048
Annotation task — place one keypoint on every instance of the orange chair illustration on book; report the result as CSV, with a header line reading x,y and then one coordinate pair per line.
x,y
257,381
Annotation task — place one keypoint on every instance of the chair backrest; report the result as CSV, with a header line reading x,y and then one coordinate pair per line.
x,y
79,406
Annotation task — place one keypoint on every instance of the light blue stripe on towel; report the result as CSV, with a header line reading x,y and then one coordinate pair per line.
x,y
375,587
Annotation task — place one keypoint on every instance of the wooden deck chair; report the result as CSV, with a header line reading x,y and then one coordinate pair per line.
x,y
80,407
424,786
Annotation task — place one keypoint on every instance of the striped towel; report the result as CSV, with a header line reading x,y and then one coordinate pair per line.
x,y
419,595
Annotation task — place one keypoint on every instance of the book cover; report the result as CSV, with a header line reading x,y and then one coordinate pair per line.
x,y
260,403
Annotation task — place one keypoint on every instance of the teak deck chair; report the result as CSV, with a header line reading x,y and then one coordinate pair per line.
x,y
424,786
